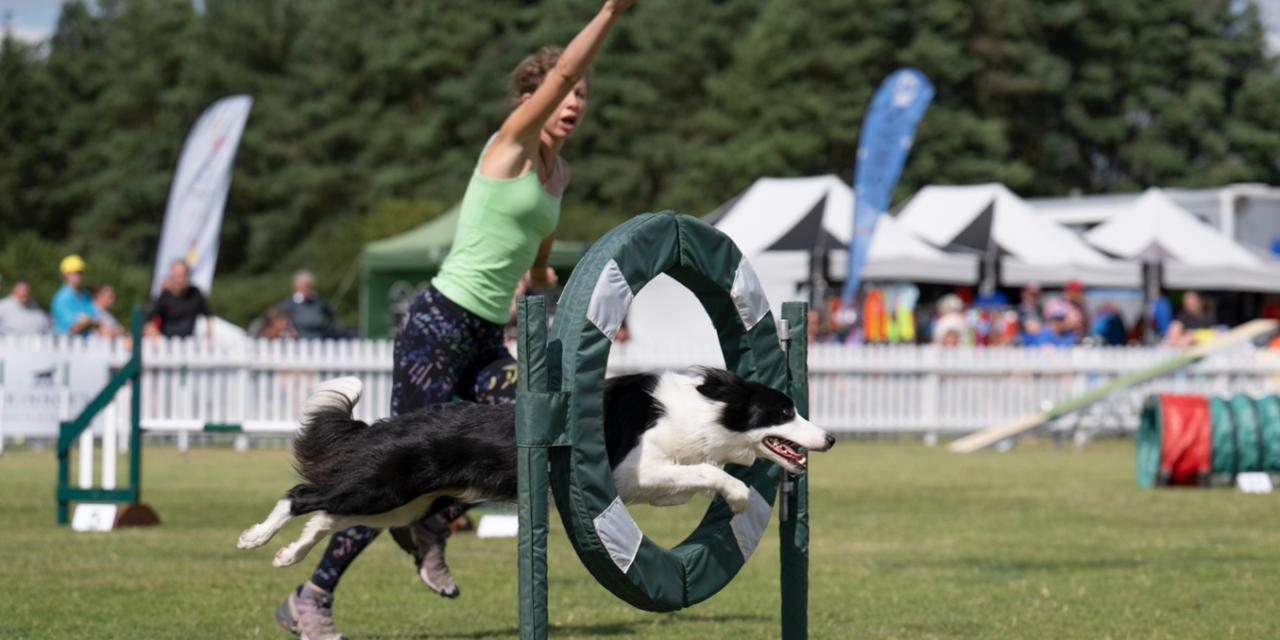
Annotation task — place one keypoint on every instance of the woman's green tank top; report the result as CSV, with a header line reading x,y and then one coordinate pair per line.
x,y
501,224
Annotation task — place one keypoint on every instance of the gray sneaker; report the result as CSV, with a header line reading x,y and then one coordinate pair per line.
x,y
309,614
430,556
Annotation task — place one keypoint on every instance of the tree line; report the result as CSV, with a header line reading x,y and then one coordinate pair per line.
x,y
369,115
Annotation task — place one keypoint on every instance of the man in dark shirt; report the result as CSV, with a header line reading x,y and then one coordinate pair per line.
x,y
1029,305
179,305
308,312
1195,317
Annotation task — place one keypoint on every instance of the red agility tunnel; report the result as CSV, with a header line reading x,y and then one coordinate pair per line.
x,y
1174,442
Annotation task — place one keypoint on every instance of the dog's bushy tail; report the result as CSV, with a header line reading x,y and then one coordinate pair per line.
x,y
327,428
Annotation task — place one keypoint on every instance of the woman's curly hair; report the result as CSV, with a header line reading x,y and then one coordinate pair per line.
x,y
531,71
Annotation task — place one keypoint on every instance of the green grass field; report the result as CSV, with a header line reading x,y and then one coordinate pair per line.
x,y
908,542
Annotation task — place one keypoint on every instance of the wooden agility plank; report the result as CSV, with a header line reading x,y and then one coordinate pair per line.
x,y
990,436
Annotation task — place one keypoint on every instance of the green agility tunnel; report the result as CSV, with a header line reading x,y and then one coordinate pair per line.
x,y
1173,442
560,430
1183,439
1246,434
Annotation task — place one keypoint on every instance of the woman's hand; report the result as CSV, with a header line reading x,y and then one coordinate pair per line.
x,y
618,6
543,278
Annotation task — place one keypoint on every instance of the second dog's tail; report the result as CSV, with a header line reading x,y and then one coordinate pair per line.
x,y
327,427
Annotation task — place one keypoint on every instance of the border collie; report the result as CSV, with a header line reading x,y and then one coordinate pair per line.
x,y
666,434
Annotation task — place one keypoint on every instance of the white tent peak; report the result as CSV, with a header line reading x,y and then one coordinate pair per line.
x,y
1155,228
772,207
788,200
770,210
1037,249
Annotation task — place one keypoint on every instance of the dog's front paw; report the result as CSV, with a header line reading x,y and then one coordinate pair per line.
x,y
252,538
286,556
738,496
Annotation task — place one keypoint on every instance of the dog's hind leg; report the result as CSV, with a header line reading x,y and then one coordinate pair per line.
x,y
317,528
260,534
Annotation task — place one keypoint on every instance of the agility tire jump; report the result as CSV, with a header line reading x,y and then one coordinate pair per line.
x,y
560,431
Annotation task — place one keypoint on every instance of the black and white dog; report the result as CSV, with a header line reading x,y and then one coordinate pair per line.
x,y
666,433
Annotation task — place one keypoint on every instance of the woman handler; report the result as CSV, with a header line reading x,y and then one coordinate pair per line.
x,y
451,340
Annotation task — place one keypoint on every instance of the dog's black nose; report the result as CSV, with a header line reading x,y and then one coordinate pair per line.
x,y
831,441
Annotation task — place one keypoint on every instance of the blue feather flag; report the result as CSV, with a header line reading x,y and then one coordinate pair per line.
x,y
888,131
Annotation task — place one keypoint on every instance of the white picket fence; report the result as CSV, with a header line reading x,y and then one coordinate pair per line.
x,y
262,385
882,388
189,385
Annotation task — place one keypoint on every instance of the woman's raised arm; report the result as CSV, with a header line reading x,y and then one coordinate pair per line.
x,y
524,125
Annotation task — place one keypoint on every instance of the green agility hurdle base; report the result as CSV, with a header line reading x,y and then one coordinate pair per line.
x,y
134,512
560,434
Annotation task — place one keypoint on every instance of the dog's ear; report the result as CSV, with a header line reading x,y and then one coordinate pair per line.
x,y
718,384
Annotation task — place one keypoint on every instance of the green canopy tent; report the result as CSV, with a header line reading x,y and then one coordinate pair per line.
x,y
395,269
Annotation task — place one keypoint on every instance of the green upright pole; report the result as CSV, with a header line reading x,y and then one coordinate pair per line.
x,y
794,531
531,372
64,479
135,409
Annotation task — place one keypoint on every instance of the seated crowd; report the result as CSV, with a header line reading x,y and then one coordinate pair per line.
x,y
1036,320
78,310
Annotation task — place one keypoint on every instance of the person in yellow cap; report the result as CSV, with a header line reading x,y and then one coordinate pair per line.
x,y
74,313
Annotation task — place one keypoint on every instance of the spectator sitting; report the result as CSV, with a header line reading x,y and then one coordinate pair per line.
x,y
104,297
73,310
1108,326
1160,314
179,305
20,315
1057,333
1192,323
276,325
951,338
309,313
813,325
995,299
950,318
1029,306
1004,329
1078,317
1032,328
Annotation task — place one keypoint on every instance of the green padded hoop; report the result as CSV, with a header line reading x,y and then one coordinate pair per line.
x,y
568,416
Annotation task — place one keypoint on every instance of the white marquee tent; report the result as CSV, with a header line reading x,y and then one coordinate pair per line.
x,y
1195,255
959,218
777,223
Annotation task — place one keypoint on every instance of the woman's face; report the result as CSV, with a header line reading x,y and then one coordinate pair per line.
x,y
568,116
1192,303
105,298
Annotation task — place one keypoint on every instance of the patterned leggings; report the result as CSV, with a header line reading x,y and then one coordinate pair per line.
x,y
442,351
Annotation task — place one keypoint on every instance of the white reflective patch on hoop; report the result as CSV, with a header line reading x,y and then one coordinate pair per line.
x,y
748,527
621,535
610,300
748,296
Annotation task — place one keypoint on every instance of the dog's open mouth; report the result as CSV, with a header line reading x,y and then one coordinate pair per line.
x,y
786,449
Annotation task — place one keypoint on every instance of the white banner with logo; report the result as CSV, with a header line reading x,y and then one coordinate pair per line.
x,y
42,389
193,216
